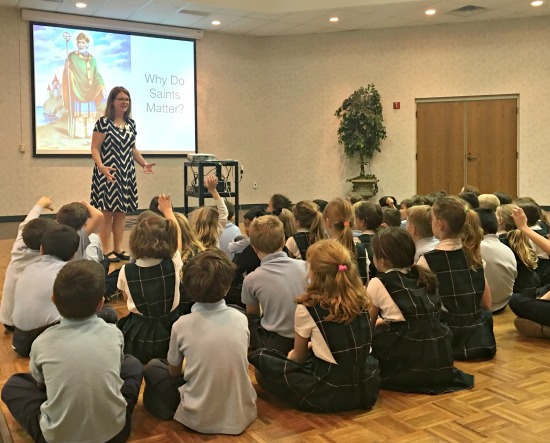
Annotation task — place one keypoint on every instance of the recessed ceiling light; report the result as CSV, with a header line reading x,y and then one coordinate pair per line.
x,y
537,3
333,19
81,5
216,22
430,12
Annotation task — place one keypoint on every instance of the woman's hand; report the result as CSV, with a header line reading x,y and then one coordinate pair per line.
x,y
108,172
148,168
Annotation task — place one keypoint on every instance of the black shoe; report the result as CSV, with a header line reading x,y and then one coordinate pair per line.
x,y
112,257
122,255
9,328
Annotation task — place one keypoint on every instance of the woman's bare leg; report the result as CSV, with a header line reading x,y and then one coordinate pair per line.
x,y
119,219
106,230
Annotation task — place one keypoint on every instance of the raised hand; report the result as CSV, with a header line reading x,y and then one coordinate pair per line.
x,y
45,202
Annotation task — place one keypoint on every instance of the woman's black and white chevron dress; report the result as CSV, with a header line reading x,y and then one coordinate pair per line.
x,y
116,152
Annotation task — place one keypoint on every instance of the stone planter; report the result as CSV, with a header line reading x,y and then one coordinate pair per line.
x,y
366,187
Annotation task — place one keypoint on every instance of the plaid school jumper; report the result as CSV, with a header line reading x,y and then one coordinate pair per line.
x,y
302,241
416,355
366,239
460,289
147,336
320,386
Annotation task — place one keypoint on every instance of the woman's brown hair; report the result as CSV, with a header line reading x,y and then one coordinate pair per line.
x,y
110,106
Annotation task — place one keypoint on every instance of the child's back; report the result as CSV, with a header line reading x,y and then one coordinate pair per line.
x,y
463,289
34,310
79,362
214,393
273,287
218,397
25,250
81,388
151,284
330,367
413,347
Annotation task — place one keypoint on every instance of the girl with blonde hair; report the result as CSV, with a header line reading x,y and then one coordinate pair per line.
x,y
527,280
308,224
463,289
323,373
413,348
208,223
339,220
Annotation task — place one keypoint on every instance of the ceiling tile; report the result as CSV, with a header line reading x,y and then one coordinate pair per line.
x,y
244,25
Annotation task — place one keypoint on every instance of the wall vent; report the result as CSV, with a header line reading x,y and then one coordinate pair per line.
x,y
467,11
195,13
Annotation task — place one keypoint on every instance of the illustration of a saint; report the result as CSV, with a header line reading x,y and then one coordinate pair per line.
x,y
83,88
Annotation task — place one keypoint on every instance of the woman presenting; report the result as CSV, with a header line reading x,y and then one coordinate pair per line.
x,y
114,188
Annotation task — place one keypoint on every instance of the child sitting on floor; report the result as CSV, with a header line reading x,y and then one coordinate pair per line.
x,y
330,367
413,348
463,289
215,393
80,388
209,223
150,286
25,250
273,286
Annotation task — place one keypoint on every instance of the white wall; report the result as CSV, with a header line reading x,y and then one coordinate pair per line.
x,y
270,102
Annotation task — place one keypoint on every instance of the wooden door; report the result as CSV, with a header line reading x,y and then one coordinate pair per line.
x,y
491,145
467,142
440,147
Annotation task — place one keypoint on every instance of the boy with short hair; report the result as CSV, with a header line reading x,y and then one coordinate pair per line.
x,y
85,220
25,250
33,310
273,287
81,388
213,339
500,262
419,225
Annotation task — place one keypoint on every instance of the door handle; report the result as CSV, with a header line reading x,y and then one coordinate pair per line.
x,y
470,158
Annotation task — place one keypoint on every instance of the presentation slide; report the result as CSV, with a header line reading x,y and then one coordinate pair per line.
x,y
74,70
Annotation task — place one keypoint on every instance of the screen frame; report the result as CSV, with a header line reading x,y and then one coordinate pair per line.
x,y
140,33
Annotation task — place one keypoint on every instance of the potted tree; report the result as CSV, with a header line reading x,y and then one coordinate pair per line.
x,y
361,131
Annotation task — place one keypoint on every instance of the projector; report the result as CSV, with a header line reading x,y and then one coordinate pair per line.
x,y
201,157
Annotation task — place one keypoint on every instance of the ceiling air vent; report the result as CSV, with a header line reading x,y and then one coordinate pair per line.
x,y
195,13
467,11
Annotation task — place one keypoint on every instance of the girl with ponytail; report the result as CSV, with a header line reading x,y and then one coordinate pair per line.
x,y
308,225
463,288
330,368
339,220
413,348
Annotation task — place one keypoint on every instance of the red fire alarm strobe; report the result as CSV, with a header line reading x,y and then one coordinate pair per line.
x,y
396,105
